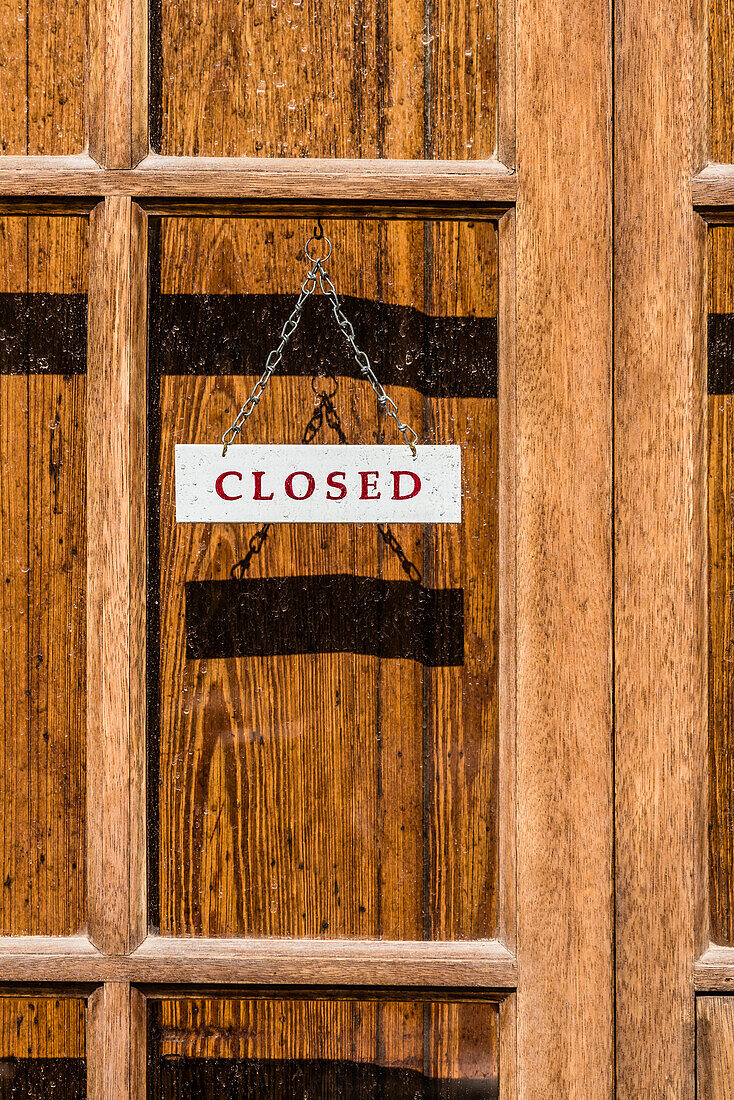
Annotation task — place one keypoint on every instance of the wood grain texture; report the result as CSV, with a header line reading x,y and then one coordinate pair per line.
x,y
339,850
564,582
115,1042
660,499
42,62
116,577
714,1048
721,583
308,80
721,100
118,82
42,1027
454,1040
479,966
490,188
43,551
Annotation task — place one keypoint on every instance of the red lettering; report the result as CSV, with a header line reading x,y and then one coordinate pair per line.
x,y
310,485
258,475
396,475
219,486
336,485
368,484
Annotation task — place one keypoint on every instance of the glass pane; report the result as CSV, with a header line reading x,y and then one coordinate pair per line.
x,y
323,78
42,61
348,789
43,561
42,1048
314,1048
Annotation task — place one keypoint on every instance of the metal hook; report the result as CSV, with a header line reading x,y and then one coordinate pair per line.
x,y
318,232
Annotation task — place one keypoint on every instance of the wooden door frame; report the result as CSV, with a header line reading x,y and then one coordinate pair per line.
x,y
556,1014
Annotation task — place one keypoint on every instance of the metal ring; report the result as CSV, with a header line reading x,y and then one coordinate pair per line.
x,y
323,393
315,259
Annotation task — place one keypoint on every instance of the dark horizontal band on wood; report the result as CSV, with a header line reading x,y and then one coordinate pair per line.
x,y
479,965
43,333
720,353
233,333
335,613
258,1078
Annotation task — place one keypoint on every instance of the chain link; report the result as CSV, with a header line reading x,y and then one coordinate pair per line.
x,y
325,409
318,274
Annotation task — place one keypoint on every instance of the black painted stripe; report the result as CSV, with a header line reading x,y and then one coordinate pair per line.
x,y
277,1079
43,334
214,334
333,613
38,1078
721,353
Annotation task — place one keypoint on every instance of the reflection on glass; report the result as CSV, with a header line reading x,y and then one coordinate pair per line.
x,y
324,78
42,1048
324,765
322,1048
43,323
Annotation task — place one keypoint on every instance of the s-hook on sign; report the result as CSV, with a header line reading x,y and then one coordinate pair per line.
x,y
266,483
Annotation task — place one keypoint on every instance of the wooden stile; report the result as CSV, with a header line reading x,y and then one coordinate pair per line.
x,y
116,578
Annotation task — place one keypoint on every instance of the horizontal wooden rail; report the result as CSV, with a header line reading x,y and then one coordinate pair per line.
x,y
713,188
714,970
190,962
336,183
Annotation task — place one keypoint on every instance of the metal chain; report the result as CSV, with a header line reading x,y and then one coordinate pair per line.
x,y
361,358
318,273
325,409
272,361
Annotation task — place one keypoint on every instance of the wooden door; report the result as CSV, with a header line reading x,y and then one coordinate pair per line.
x,y
368,862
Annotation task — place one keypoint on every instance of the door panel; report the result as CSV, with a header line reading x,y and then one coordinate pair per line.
x,y
321,79
299,1048
350,793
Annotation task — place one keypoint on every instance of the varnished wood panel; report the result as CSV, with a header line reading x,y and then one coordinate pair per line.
x,y
42,452
318,79
42,65
459,1042
295,793
715,1048
42,1027
721,589
721,86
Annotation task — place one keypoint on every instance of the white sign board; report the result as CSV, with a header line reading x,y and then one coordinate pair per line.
x,y
336,483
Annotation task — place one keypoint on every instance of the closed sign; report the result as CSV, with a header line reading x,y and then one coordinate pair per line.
x,y
270,483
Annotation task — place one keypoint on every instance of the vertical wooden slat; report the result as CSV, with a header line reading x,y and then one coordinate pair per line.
x,y
116,1014
118,82
116,576
660,500
564,594
506,802
508,1048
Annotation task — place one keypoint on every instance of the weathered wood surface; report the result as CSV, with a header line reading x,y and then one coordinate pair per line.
x,y
42,65
324,80
43,549
445,1040
721,86
660,695
714,1048
294,791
